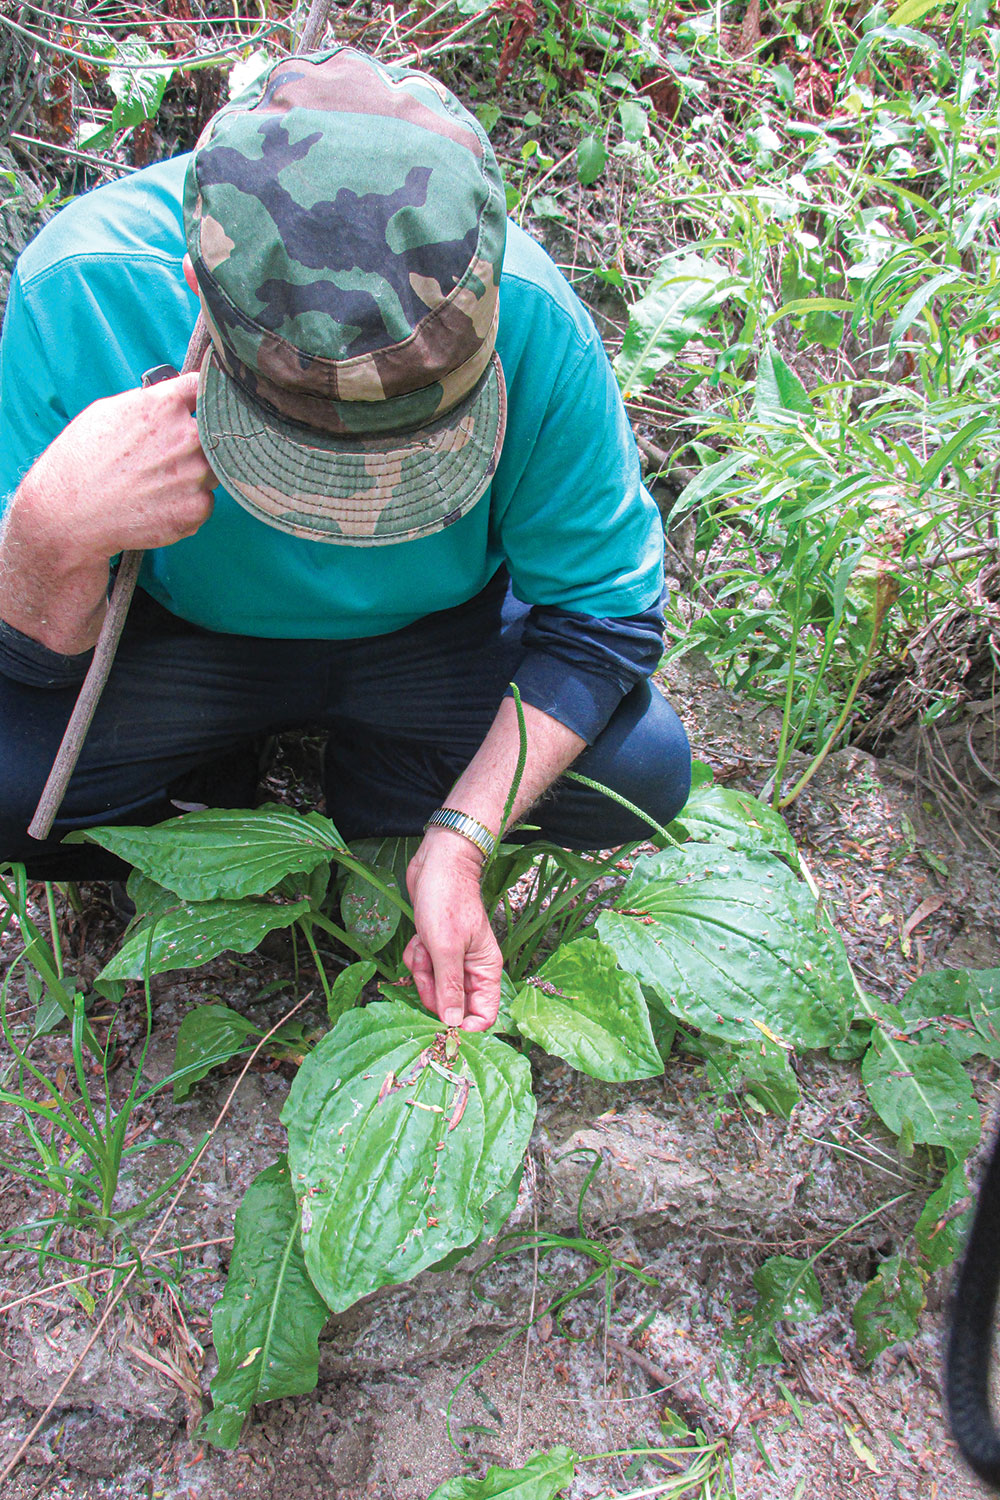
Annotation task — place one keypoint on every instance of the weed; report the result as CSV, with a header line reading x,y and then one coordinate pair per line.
x,y
76,1141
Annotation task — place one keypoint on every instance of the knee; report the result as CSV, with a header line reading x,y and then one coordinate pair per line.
x,y
19,793
28,742
644,755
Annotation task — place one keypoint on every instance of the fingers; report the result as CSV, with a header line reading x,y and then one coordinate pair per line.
x,y
454,957
481,1006
458,986
440,980
182,387
418,961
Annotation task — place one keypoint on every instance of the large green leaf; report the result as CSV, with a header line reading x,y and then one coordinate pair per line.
x,y
496,1211
541,1478
209,1035
584,1008
189,933
888,1308
721,815
266,1324
960,1008
222,853
922,1092
398,1134
731,943
678,304
366,911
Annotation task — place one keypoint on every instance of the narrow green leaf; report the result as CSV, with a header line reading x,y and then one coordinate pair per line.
x,y
267,1323
347,987
887,1311
809,305
913,307
924,1087
721,815
778,391
967,434
582,1007
678,304
944,1224
712,482
732,944
395,1145
911,11
543,1477
209,1035
222,853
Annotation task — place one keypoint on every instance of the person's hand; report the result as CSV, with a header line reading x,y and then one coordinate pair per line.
x,y
128,473
454,957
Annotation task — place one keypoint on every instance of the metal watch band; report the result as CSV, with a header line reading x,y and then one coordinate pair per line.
x,y
470,828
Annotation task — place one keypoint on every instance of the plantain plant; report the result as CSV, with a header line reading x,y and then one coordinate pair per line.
x,y
405,1139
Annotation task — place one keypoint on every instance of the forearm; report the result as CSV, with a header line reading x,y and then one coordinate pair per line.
x,y
454,957
484,786
126,474
47,591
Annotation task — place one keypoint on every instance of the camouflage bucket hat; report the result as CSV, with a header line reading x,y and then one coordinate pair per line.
x,y
346,221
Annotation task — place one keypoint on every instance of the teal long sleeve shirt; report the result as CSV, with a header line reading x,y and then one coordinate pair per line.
x,y
99,297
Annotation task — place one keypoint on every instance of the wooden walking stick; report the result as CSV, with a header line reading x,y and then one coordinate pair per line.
x,y
128,570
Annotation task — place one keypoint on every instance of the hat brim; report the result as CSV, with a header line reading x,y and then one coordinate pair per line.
x,y
354,491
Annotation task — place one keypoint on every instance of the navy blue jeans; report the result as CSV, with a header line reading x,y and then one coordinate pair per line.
x,y
404,713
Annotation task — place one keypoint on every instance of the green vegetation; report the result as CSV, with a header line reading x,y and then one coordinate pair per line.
x,y
787,219
413,1135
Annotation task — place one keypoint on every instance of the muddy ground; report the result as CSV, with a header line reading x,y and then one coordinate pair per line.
x,y
694,1192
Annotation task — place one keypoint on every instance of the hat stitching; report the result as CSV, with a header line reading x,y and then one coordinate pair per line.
x,y
349,510
265,456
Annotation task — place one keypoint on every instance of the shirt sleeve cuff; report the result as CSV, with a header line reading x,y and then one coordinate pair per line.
x,y
583,701
29,662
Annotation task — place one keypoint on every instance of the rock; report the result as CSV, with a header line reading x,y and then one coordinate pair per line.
x,y
38,1357
422,1321
666,1169
105,1447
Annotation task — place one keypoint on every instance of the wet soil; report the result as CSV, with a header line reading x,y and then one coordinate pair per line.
x,y
694,1191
